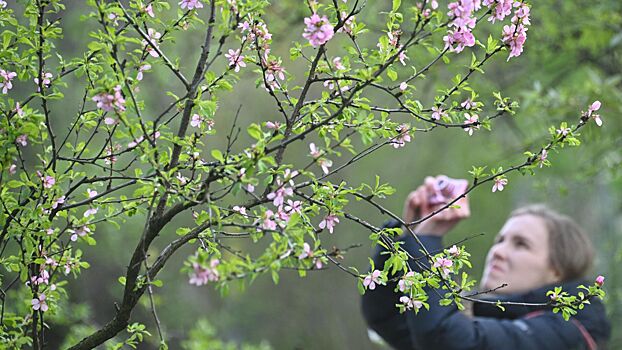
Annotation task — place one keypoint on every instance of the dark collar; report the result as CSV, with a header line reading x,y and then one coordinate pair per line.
x,y
517,311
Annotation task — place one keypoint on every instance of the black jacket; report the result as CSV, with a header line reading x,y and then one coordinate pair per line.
x,y
444,327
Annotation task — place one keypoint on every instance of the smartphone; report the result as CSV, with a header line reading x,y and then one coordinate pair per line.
x,y
447,189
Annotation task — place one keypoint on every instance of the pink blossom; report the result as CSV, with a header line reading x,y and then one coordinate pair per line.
x,y
325,164
502,9
42,278
402,138
318,30
600,280
372,279
590,112
108,102
542,157
12,169
306,251
293,206
515,37
444,264
461,38
141,69
454,251
438,113
241,210
152,43
314,151
563,131
196,121
90,212
279,195
58,201
402,56
468,104
268,221
273,125
274,69
191,4
22,140
410,304
81,232
202,275
522,13
19,110
47,79
182,179
3,4
39,303
500,184
403,86
256,31
337,63
329,222
472,122
48,181
149,10
404,284
394,37
6,83
49,232
250,188
235,59
349,25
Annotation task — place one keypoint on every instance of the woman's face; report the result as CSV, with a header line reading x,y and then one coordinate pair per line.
x,y
519,257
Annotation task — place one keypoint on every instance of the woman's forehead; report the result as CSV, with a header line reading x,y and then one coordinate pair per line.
x,y
527,226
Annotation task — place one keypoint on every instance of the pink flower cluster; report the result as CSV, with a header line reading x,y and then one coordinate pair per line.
x,y
444,265
372,279
410,304
464,20
109,102
515,34
80,232
47,79
201,275
255,31
6,77
318,31
402,138
274,70
307,253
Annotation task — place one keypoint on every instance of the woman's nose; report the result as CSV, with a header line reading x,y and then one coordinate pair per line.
x,y
499,251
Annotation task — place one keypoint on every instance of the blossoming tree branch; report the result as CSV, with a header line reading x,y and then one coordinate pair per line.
x,y
119,158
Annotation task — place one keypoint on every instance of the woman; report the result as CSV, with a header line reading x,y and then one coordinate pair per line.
x,y
536,250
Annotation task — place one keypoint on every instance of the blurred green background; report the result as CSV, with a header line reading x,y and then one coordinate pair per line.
x,y
572,57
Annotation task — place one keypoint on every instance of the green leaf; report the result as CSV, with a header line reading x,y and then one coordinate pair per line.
x,y
255,131
392,74
122,280
218,155
396,5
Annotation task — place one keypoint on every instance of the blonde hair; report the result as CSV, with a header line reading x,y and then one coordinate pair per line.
x,y
571,252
